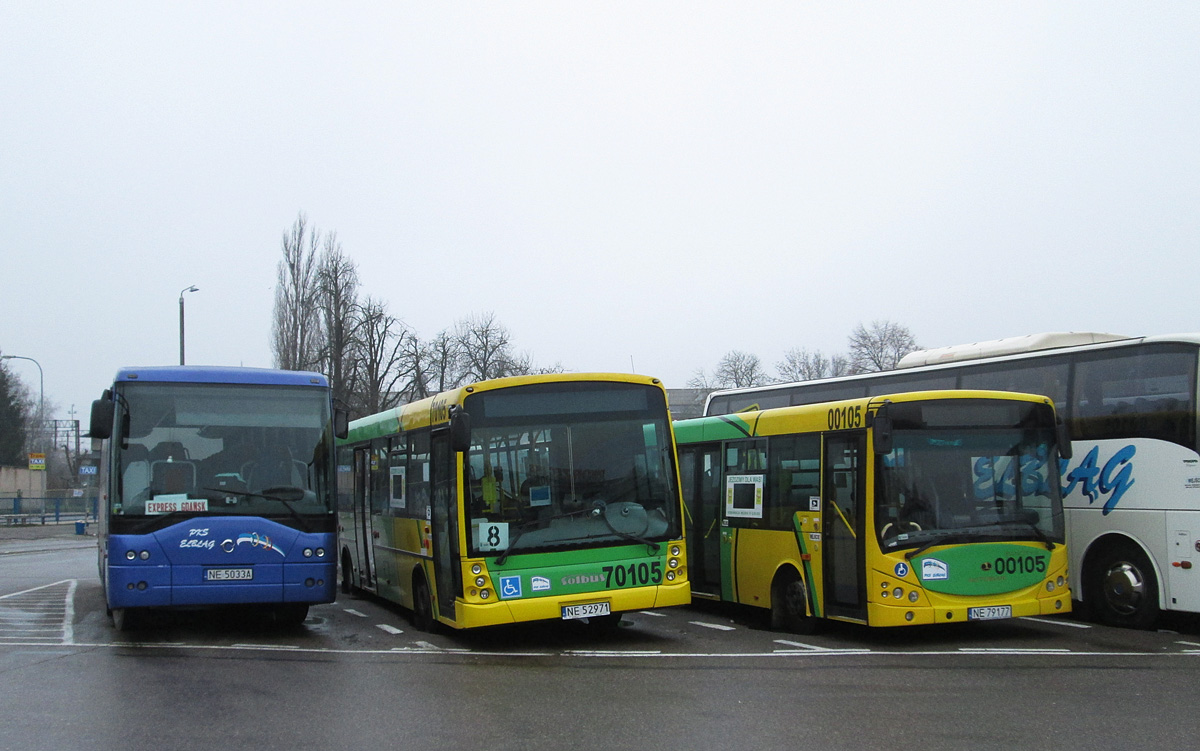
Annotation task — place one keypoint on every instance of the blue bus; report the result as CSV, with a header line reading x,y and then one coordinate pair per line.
x,y
217,488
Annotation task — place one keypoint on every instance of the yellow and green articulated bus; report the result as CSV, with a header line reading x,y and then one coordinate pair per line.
x,y
917,508
516,499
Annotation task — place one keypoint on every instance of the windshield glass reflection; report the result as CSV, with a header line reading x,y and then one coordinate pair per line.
x,y
993,484
226,449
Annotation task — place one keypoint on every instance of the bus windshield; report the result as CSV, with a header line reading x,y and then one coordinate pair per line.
x,y
942,484
195,449
557,466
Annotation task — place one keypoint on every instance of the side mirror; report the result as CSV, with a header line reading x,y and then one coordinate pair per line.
x,y
102,418
1064,439
460,430
341,423
883,434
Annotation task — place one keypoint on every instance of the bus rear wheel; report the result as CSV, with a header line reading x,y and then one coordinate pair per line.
x,y
1121,588
789,605
291,614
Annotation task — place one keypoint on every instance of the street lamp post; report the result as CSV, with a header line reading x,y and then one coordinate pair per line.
x,y
41,389
181,293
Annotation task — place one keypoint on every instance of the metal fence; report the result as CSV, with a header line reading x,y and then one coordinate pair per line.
x,y
27,510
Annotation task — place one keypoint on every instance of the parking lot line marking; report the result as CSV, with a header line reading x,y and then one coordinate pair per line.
x,y
352,611
799,645
390,629
714,626
612,652
651,612
1071,624
1012,650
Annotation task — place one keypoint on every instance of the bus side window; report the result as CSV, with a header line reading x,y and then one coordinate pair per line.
x,y
745,472
1047,377
345,478
397,469
417,477
1143,394
379,477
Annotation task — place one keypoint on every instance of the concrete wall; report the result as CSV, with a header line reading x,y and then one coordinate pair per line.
x,y
31,484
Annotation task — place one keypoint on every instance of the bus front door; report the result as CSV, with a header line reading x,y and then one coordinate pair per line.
x,y
843,520
444,510
701,472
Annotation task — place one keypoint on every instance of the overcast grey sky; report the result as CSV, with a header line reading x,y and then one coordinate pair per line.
x,y
638,184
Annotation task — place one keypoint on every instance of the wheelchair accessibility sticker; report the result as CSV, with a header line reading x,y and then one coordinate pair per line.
x,y
902,569
510,586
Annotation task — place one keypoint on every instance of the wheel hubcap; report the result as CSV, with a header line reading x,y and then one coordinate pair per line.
x,y
1124,588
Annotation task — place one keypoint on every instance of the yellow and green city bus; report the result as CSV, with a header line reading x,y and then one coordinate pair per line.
x,y
918,508
516,499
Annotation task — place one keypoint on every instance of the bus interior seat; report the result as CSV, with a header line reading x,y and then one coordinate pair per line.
x,y
171,477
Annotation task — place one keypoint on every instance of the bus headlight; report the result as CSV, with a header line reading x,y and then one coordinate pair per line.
x,y
477,569
673,563
670,576
674,550
1049,586
1061,581
480,581
484,594
913,596
898,593
130,554
308,552
320,552
145,555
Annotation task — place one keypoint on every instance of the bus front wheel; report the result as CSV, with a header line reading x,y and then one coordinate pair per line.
x,y
422,606
347,574
789,605
1121,588
126,619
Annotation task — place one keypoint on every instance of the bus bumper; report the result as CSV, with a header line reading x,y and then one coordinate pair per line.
x,y
892,615
473,614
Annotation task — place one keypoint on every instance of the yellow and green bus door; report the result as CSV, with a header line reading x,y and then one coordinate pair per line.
x,y
444,513
362,518
844,517
700,470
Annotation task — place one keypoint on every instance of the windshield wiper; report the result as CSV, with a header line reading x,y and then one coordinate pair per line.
x,y
282,494
1037,531
944,540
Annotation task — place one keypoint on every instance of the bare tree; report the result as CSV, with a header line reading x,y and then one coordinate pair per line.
x,y
443,358
485,348
418,363
338,281
380,365
295,330
880,347
739,369
701,380
802,365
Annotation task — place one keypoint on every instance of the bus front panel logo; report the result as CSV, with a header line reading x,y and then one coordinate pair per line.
x,y
934,570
